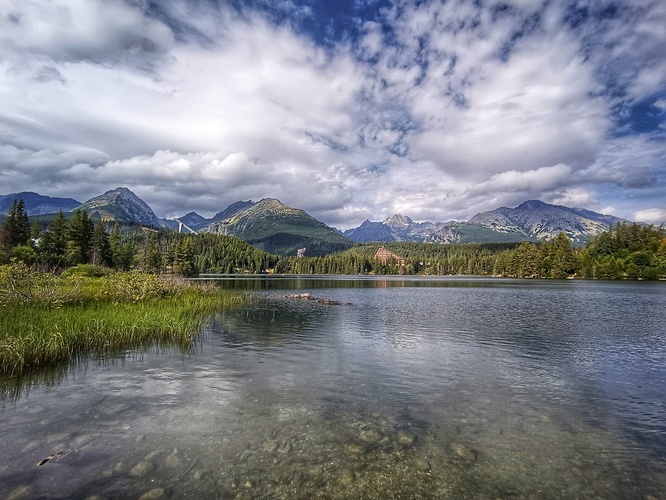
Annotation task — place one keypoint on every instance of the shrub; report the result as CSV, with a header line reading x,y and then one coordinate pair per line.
x,y
21,284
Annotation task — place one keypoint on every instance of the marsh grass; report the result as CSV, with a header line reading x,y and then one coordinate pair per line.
x,y
46,320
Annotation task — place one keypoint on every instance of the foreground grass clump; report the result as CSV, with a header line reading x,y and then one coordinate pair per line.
x,y
47,319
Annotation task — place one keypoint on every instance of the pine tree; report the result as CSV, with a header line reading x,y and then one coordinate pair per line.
x,y
100,248
122,252
53,244
152,257
562,257
16,227
183,257
79,236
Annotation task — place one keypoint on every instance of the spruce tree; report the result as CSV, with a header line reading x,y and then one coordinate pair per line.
x,y
79,236
100,248
16,227
53,244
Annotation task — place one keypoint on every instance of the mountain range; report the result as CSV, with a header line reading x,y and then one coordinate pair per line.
x,y
533,220
277,228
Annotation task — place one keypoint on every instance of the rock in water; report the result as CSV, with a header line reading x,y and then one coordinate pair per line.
x,y
405,438
463,453
346,477
422,464
270,446
141,469
154,494
355,449
370,435
175,459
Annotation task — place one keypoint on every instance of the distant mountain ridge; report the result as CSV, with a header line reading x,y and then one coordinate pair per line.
x,y
37,204
540,221
533,220
198,222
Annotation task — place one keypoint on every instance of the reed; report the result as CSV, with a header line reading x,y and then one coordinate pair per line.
x,y
46,320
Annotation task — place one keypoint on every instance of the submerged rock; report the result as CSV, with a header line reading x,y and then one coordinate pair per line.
x,y
154,494
463,453
370,435
355,449
141,469
244,495
346,477
270,446
405,438
421,464
151,455
175,459
117,468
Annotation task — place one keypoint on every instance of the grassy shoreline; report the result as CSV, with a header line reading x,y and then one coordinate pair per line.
x,y
46,320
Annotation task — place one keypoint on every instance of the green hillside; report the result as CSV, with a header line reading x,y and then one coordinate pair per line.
x,y
275,228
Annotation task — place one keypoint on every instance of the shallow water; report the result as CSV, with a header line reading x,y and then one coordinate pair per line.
x,y
409,388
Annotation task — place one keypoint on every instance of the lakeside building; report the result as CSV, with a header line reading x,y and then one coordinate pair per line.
x,y
387,257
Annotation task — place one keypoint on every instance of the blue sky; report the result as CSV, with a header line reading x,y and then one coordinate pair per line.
x,y
350,109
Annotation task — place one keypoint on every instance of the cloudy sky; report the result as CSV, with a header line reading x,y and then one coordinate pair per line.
x,y
349,109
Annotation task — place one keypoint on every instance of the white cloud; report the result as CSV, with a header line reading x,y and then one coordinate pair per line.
x,y
534,109
71,30
531,181
578,197
655,216
629,161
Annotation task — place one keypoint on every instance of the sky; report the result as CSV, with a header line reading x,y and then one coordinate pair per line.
x,y
348,109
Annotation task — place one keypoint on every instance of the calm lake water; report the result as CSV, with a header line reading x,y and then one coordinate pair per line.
x,y
409,388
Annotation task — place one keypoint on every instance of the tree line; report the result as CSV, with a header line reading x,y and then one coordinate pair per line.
x,y
64,243
627,251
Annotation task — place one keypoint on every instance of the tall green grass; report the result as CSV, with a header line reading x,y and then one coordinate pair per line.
x,y
46,320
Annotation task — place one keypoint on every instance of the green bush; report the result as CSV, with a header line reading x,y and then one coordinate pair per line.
x,y
20,284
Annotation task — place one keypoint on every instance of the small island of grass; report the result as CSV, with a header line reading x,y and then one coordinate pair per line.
x,y
46,319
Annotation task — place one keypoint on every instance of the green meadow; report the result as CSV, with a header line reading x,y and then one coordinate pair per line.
x,y
46,319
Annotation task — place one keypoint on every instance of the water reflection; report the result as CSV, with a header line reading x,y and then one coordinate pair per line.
x,y
452,389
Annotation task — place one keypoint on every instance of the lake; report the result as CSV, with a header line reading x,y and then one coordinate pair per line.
x,y
398,388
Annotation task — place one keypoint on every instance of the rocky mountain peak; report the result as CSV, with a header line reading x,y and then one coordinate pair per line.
x,y
398,221
122,205
532,205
